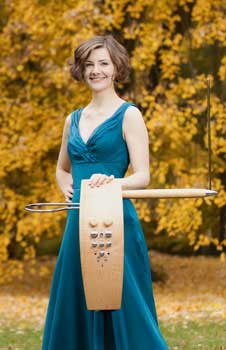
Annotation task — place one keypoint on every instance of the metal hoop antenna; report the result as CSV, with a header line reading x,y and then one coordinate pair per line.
x,y
67,206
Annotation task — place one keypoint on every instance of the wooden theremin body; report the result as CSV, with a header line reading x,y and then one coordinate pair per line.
x,y
101,235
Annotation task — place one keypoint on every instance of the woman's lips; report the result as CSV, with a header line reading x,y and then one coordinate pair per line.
x,y
97,79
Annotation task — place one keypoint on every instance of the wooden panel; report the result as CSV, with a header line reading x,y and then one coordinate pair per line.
x,y
101,235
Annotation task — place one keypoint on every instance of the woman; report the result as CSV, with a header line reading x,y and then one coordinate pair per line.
x,y
99,141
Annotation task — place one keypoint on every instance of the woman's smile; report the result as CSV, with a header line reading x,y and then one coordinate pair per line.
x,y
97,79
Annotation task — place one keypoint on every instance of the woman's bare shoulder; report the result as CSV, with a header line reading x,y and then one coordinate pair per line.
x,y
132,113
67,123
68,119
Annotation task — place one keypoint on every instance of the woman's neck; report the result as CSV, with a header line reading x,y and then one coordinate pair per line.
x,y
102,100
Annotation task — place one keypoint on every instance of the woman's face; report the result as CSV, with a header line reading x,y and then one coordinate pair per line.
x,y
99,70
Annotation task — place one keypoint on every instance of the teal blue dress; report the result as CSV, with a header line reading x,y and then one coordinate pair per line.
x,y
69,325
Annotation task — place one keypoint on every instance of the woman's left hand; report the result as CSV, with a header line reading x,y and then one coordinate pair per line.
x,y
100,179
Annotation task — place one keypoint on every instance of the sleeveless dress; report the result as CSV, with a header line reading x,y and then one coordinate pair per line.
x,y
69,325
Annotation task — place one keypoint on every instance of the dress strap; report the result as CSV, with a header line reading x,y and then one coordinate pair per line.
x,y
128,104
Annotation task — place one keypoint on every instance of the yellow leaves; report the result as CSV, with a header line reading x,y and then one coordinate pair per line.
x,y
44,271
171,58
4,242
137,7
178,217
30,253
170,64
220,199
209,21
162,171
185,2
215,241
203,240
20,67
10,269
143,209
198,292
222,257
150,41
110,14
222,69
187,87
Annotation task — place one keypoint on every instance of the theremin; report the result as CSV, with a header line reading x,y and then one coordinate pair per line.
x,y
101,236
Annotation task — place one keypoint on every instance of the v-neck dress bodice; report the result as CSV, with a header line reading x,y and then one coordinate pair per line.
x,y
98,149
69,325
102,124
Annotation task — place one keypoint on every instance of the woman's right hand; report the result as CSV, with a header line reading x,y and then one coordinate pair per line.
x,y
68,192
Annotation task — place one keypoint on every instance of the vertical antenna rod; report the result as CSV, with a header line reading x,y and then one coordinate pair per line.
x,y
208,132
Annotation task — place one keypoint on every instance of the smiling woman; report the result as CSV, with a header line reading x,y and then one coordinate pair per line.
x,y
99,142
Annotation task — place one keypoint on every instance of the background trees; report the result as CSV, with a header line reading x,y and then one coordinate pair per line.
x,y
173,46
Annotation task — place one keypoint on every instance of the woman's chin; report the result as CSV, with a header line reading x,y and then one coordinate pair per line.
x,y
99,87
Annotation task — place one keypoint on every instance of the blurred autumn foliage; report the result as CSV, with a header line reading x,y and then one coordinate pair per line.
x,y
173,46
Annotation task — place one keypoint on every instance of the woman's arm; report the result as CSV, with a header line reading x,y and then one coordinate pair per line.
x,y
63,168
137,140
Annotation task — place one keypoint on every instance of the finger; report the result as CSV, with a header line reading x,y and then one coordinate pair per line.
x,y
110,178
70,190
68,194
101,180
68,197
93,179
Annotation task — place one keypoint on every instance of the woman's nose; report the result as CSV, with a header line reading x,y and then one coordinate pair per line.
x,y
95,69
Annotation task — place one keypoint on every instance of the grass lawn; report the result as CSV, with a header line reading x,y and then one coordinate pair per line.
x,y
183,335
191,304
195,336
20,339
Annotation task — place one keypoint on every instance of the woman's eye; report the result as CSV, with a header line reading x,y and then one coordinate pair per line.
x,y
90,64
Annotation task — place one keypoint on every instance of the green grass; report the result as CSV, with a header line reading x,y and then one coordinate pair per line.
x,y
195,336
20,338
179,336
